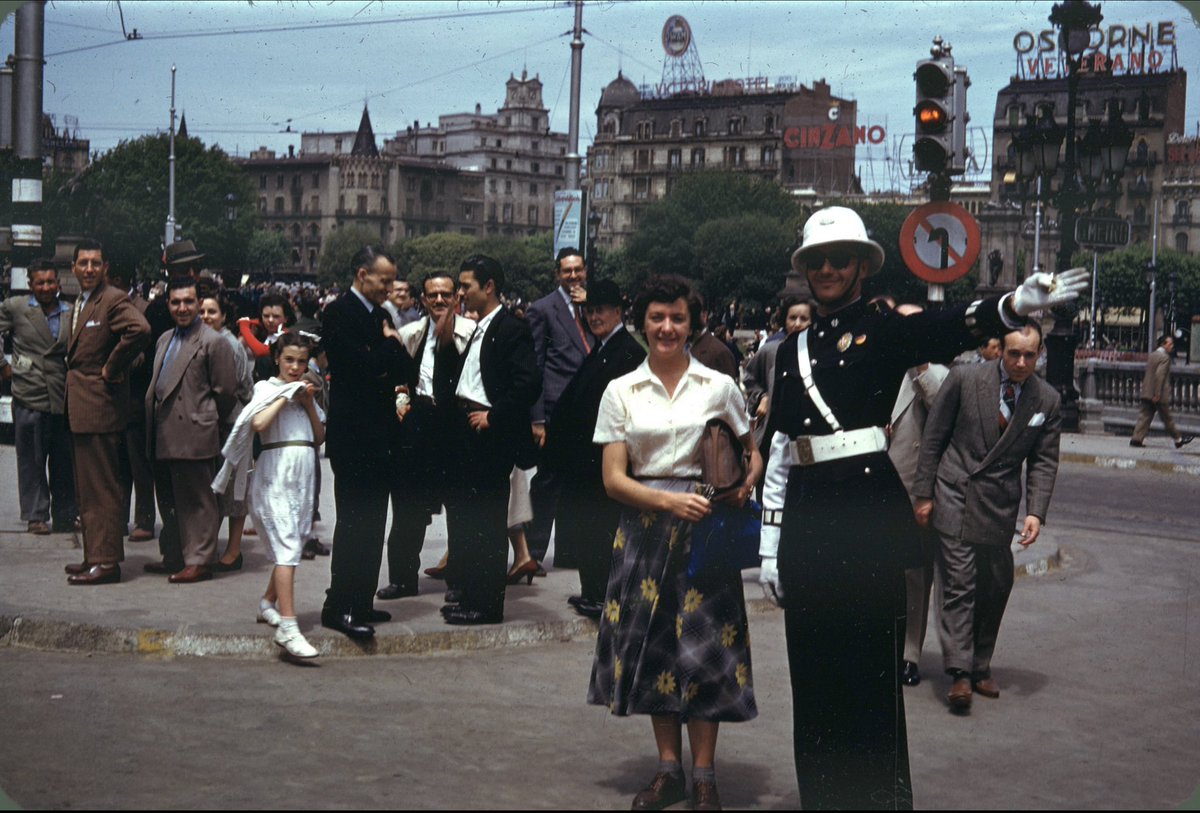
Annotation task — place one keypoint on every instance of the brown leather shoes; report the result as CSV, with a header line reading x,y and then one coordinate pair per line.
x,y
960,696
161,568
141,535
75,568
190,575
97,574
38,528
987,687
664,790
705,797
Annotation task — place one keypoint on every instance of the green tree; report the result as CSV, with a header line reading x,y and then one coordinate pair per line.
x,y
1123,285
528,263
666,238
265,251
745,256
121,199
338,249
443,251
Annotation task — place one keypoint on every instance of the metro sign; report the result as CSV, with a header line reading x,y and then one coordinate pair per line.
x,y
1102,232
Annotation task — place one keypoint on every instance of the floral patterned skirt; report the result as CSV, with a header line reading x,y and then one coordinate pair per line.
x,y
668,645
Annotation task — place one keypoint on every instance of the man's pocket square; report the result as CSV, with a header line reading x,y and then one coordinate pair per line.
x,y
92,323
1038,419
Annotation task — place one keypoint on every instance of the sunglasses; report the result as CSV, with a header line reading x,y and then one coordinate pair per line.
x,y
837,260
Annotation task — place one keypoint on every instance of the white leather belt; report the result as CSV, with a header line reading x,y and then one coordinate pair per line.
x,y
808,450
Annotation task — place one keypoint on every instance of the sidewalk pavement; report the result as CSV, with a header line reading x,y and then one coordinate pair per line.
x,y
146,615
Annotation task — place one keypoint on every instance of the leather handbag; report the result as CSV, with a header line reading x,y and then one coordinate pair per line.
x,y
724,460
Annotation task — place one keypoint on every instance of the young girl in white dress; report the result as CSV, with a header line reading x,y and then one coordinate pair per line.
x,y
290,425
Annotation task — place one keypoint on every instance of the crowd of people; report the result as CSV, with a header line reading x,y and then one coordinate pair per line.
x,y
881,470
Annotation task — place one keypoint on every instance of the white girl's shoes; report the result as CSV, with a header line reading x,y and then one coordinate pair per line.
x,y
267,614
289,637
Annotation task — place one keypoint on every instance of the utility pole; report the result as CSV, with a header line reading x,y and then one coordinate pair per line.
x,y
27,139
573,158
1153,274
169,233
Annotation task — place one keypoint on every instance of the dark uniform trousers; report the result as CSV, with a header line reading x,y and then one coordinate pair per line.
x,y
974,584
361,489
476,518
101,494
190,517
138,471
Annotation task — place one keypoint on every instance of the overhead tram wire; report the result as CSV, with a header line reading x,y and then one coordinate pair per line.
x,y
314,26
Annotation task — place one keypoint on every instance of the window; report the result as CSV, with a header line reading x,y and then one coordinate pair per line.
x,y
410,206
735,156
316,180
1139,215
374,180
312,258
362,205
600,189
645,130
468,212
279,205
314,231
1014,115
491,215
676,128
508,187
1181,243
499,143
641,188
494,163
337,145
558,170
532,216
295,231
508,164
698,157
279,181
767,157
492,185
383,204
262,181
600,159
643,159
769,123
674,159
262,204
508,213
535,167
535,145
411,184
314,204
699,127
1142,151
508,121
533,189
735,125
341,203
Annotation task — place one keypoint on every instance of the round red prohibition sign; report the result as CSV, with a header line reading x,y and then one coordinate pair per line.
x,y
940,242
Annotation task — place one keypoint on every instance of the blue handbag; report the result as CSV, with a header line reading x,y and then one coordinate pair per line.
x,y
726,541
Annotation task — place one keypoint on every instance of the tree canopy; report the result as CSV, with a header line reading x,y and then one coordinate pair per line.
x,y
121,198
1122,279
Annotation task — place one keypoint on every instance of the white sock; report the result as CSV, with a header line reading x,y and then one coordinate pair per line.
x,y
288,624
264,605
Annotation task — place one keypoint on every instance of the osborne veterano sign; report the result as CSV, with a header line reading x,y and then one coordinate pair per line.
x,y
1113,49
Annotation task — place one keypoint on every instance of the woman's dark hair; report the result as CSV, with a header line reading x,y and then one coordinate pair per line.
x,y
666,289
276,300
225,305
290,338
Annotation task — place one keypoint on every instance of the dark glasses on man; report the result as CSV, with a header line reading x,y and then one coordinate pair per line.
x,y
837,260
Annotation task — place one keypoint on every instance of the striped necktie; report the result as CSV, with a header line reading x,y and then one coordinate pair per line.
x,y
1008,404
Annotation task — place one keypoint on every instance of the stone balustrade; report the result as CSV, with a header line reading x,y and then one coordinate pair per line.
x,y
1110,395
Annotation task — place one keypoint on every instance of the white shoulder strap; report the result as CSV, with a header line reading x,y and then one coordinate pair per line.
x,y
811,386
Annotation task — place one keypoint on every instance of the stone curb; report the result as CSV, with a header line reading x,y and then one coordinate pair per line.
x,y
1114,462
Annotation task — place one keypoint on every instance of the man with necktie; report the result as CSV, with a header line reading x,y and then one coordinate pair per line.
x,y
989,422
191,404
561,340
107,335
366,364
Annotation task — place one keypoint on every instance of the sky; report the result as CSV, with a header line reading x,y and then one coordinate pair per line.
x,y
246,71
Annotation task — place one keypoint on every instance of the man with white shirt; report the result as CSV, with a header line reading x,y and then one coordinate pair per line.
x,y
500,382
989,422
437,344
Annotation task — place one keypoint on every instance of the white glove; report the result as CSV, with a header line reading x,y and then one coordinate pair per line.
x,y
768,577
1042,290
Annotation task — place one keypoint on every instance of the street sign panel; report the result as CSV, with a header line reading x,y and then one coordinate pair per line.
x,y
1102,232
568,220
939,242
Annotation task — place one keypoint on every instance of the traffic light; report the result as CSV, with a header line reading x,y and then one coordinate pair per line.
x,y
934,112
941,114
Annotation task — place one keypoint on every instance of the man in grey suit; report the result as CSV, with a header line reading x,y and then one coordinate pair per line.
x,y
561,340
1156,396
190,405
988,422
40,325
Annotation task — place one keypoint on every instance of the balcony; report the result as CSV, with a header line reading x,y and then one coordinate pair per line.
x,y
1184,219
1140,189
1150,159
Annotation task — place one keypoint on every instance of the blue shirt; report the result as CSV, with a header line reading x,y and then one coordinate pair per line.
x,y
54,319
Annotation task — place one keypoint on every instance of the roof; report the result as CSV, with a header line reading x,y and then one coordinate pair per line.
x,y
364,141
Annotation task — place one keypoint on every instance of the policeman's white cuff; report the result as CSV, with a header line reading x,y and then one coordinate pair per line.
x,y
768,541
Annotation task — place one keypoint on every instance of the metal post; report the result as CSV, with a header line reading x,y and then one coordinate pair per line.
x,y
573,158
1095,285
169,233
1153,281
1037,229
27,127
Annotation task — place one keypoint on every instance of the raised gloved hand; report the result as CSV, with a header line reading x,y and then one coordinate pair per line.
x,y
1042,290
768,577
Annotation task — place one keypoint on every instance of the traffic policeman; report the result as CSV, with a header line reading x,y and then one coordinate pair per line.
x,y
838,528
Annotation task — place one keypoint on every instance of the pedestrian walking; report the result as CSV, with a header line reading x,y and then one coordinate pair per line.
x,y
1156,396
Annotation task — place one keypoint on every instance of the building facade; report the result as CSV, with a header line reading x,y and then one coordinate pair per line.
x,y
521,161
802,138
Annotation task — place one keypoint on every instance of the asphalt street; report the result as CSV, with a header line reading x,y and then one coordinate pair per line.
x,y
1096,663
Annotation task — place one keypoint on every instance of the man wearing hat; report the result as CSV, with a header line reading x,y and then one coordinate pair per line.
x,y
838,526
179,259
586,517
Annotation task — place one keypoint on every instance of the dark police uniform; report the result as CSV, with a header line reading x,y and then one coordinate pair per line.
x,y
847,534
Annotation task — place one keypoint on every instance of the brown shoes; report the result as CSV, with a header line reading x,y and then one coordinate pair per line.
x,y
664,790
38,528
141,535
97,574
191,574
960,695
705,797
161,568
75,568
987,687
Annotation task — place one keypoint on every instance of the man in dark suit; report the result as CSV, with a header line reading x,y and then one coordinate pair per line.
x,y
714,353
134,455
988,422
366,363
561,340
498,386
437,344
107,335
40,325
190,404
587,517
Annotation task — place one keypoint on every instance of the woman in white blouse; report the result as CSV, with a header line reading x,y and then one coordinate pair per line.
x,y
668,647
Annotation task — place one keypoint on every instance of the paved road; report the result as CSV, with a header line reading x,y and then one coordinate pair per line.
x,y
1097,663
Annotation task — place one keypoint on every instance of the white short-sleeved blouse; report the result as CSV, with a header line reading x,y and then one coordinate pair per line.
x,y
661,432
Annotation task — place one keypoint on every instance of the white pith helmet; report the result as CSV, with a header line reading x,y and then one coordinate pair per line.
x,y
837,225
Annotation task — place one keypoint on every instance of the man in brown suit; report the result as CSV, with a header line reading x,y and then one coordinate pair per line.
x,y
1156,396
107,335
190,404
